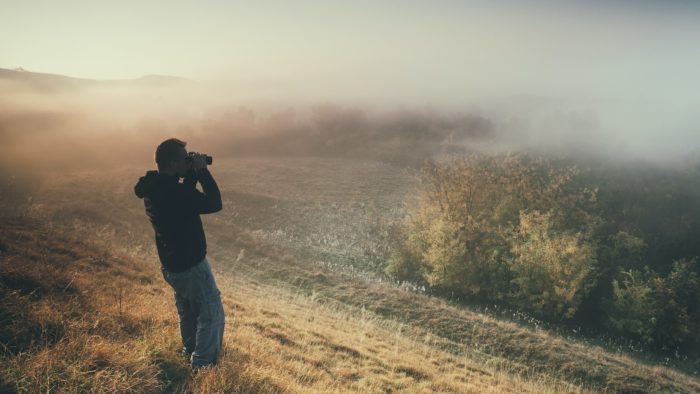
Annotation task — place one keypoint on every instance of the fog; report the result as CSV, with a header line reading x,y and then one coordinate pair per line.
x,y
389,81
104,126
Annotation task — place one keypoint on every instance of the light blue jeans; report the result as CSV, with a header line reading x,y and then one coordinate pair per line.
x,y
198,303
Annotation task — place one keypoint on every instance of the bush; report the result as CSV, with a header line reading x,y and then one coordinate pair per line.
x,y
552,270
677,299
633,310
404,267
529,232
659,310
461,231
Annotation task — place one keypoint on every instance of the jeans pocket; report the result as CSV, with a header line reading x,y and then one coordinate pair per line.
x,y
211,312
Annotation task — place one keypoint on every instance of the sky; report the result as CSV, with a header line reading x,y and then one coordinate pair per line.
x,y
617,59
509,47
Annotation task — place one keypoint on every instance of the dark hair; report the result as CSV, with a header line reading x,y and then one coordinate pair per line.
x,y
168,151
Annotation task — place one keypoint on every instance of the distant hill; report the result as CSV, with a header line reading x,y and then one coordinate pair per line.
x,y
55,82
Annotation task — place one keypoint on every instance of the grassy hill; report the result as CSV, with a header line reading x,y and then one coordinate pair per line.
x,y
78,318
85,309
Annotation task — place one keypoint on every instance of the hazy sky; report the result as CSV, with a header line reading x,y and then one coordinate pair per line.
x,y
628,67
412,47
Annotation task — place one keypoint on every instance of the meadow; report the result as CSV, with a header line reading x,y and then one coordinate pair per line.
x,y
297,256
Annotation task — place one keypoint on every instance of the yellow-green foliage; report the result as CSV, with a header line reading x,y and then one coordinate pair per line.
x,y
677,296
404,266
441,248
503,226
552,269
633,310
661,310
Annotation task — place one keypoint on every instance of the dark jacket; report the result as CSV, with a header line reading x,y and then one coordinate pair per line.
x,y
173,209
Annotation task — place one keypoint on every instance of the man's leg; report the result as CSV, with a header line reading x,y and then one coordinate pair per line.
x,y
210,318
188,324
188,318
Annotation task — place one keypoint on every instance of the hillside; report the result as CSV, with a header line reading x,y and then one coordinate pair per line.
x,y
44,82
79,318
87,309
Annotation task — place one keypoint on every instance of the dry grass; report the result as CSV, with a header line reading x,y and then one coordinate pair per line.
x,y
97,316
67,323
78,319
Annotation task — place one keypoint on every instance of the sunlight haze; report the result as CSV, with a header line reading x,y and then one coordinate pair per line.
x,y
627,69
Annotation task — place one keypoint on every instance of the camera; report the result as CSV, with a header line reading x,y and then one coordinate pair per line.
x,y
190,157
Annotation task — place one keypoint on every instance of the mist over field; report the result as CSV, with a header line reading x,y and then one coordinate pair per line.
x,y
92,123
616,80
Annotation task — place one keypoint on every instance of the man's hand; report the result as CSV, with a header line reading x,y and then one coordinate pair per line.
x,y
199,161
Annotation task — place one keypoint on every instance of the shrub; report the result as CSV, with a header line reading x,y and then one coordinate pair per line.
x,y
677,299
404,267
528,231
659,310
633,310
552,270
460,230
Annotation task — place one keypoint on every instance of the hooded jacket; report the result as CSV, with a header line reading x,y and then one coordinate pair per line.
x,y
173,209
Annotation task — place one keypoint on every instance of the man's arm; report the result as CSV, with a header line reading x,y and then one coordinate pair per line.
x,y
210,200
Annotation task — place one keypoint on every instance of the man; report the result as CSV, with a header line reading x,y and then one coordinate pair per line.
x,y
173,208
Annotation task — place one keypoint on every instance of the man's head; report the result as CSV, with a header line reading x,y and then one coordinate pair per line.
x,y
170,157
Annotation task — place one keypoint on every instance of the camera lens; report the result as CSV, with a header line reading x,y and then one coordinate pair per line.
x,y
190,158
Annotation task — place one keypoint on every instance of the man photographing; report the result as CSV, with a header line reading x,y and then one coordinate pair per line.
x,y
173,208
